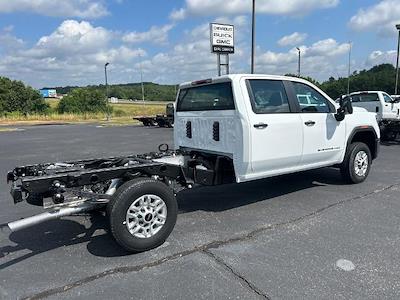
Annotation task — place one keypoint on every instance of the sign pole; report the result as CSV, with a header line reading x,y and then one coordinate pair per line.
x,y
222,43
219,63
227,64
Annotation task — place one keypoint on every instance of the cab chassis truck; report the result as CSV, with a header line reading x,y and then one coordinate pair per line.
x,y
230,129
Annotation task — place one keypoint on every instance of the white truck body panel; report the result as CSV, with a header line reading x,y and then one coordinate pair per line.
x,y
382,106
286,145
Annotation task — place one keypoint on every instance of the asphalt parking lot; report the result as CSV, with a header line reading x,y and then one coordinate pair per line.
x,y
306,235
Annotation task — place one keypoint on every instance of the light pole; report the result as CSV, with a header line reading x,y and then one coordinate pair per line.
x,y
253,40
105,75
397,60
141,78
349,71
299,62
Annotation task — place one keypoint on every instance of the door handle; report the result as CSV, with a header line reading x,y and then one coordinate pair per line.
x,y
310,123
260,125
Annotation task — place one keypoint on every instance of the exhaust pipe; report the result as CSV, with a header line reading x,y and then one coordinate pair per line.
x,y
57,213
46,216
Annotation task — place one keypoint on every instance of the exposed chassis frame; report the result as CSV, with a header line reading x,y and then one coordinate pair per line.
x,y
28,180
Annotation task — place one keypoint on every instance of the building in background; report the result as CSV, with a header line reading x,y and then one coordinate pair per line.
x,y
48,93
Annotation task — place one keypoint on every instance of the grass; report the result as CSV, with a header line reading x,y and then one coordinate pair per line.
x,y
122,115
6,129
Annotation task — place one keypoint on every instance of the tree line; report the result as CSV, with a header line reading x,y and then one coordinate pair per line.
x,y
15,97
152,91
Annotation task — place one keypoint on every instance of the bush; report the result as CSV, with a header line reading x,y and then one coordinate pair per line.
x,y
16,97
84,101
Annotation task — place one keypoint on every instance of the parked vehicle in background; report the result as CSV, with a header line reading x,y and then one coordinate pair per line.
x,y
387,110
165,120
396,97
229,129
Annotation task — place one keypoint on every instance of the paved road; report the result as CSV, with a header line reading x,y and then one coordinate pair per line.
x,y
306,235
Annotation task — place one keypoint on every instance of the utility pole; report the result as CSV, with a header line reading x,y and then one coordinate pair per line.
x,y
299,63
397,61
349,71
253,40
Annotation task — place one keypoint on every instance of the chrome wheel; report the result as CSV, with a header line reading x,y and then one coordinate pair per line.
x,y
146,216
361,163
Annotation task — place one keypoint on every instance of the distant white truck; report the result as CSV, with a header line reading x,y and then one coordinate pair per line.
x,y
387,110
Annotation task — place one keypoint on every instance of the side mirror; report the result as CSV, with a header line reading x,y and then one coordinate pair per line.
x,y
345,107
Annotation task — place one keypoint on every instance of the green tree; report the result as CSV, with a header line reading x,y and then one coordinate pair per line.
x,y
16,97
84,100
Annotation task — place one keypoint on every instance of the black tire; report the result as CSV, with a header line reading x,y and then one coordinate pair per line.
x,y
122,200
348,166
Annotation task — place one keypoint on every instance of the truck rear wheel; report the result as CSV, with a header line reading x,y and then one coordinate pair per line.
x,y
142,214
357,163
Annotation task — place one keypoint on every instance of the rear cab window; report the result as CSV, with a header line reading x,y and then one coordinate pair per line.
x,y
365,97
215,96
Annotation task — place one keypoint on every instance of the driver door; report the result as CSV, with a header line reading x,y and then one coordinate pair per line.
x,y
323,141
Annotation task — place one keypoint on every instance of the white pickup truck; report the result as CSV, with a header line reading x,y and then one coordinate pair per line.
x,y
229,129
386,108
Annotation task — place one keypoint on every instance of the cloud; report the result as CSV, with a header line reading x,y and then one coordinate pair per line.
x,y
56,8
178,15
235,7
381,18
319,60
292,39
8,42
156,35
73,54
381,57
191,58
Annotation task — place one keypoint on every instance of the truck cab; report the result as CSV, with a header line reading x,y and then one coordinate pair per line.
x,y
385,107
268,125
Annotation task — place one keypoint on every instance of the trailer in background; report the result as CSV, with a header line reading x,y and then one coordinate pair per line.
x,y
166,120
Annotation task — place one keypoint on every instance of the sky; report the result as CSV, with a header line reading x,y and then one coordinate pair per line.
x,y
60,42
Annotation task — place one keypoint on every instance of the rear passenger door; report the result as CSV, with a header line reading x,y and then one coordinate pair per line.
x,y
276,133
323,141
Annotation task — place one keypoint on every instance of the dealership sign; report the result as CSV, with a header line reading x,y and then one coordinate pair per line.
x,y
221,36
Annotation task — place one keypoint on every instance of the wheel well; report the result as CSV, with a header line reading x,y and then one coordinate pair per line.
x,y
367,137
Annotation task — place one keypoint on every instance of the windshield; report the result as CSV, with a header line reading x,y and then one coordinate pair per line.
x,y
217,96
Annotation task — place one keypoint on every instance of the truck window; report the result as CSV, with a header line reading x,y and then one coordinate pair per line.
x,y
387,98
365,97
217,96
268,96
316,103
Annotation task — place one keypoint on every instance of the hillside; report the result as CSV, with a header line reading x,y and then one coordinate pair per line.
x,y
380,77
152,91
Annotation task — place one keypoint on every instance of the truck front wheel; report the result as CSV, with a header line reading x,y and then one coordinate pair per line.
x,y
142,214
357,163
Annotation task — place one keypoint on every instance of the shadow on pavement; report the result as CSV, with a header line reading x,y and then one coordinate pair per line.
x,y
390,143
62,233
65,232
220,198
